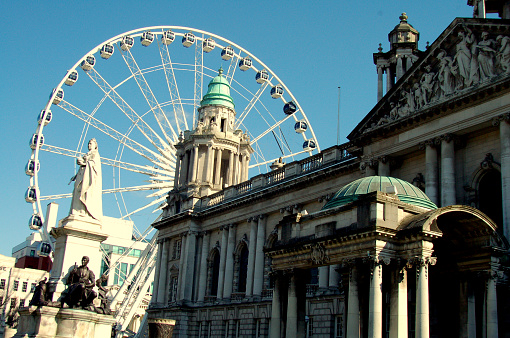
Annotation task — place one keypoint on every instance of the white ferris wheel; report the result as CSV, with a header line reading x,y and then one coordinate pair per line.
x,y
135,93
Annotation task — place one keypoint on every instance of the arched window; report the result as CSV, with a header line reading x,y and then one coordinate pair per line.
x,y
243,269
490,197
214,272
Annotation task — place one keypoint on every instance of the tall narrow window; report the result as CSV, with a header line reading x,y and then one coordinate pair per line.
x,y
490,197
215,273
16,285
243,269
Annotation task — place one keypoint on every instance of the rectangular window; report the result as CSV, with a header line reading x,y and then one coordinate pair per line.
x,y
21,303
176,251
2,284
16,285
173,288
13,303
32,287
339,326
24,287
32,253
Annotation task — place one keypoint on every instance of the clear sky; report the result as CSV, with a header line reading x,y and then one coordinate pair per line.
x,y
312,46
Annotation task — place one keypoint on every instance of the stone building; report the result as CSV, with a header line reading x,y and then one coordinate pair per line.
x,y
401,232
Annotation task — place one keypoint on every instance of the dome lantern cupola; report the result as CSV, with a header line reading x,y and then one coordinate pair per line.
x,y
403,34
218,92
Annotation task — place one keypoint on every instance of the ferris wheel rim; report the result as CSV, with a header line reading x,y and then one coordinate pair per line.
x,y
34,180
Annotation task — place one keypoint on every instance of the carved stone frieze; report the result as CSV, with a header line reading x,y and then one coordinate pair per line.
x,y
470,56
318,254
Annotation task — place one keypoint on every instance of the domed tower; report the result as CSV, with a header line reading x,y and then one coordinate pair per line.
x,y
401,56
213,156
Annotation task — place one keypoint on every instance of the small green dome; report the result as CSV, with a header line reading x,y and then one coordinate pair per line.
x,y
406,192
218,92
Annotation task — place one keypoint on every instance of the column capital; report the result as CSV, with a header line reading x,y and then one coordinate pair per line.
x,y
498,119
374,261
419,261
224,227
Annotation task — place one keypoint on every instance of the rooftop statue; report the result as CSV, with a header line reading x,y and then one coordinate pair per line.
x,y
87,193
80,283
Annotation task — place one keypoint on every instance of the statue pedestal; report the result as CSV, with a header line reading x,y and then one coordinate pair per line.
x,y
46,322
76,237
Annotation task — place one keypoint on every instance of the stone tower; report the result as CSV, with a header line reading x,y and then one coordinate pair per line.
x,y
214,155
401,56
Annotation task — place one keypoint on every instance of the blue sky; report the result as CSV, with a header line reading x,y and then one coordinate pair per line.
x,y
313,47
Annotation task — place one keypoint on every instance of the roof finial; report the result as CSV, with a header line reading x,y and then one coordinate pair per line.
x,y
380,48
403,17
220,71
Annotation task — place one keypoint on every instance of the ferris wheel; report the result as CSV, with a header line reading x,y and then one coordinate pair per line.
x,y
135,94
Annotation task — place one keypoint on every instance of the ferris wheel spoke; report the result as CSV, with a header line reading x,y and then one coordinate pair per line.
x,y
199,77
173,89
141,169
269,129
152,186
148,205
276,159
154,106
232,67
251,104
141,125
109,131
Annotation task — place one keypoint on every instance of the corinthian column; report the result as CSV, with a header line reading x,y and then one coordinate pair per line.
x,y
178,160
379,82
229,264
194,171
258,277
422,296
504,139
223,258
251,256
353,318
210,163
217,173
163,273
375,300
203,267
431,169
447,171
230,168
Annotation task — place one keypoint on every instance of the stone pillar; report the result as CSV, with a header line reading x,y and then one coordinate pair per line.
x,y
409,62
210,163
202,285
183,177
389,79
276,309
398,303
375,300
431,172
447,171
163,273
246,163
194,172
157,273
400,68
182,267
384,166
422,296
251,256
292,308
217,170
230,178
189,271
258,276
178,160
379,82
334,276
353,315
223,259
467,314
492,306
229,264
323,277
504,135
235,174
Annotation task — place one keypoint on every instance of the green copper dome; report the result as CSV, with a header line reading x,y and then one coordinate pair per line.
x,y
406,192
218,92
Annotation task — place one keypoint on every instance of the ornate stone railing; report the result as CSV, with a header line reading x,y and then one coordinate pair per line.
x,y
267,294
329,156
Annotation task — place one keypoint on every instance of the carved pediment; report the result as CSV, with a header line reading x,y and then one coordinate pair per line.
x,y
471,55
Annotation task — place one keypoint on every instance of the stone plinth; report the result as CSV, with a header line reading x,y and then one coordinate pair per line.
x,y
161,328
46,322
76,237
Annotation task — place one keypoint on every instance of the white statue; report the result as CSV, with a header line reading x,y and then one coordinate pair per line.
x,y
503,55
87,193
486,54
